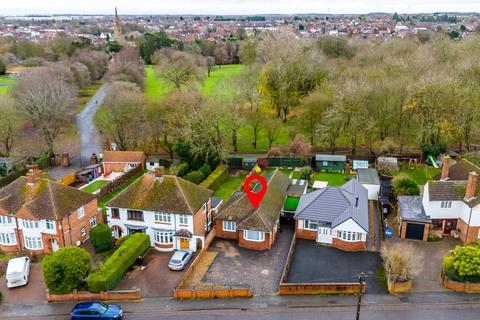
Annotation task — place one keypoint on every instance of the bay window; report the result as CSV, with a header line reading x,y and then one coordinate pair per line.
x,y
163,237
7,238
252,235
33,243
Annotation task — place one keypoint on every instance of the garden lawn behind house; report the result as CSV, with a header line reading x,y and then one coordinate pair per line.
x,y
334,179
104,200
420,174
232,184
6,82
95,186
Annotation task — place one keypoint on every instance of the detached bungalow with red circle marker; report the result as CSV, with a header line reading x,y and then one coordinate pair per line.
x,y
254,228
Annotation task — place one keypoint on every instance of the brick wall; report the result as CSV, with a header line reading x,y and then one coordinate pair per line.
x,y
224,234
72,224
472,232
349,246
118,167
199,221
264,245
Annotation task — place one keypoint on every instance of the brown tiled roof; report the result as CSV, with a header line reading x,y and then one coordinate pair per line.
x,y
446,190
46,199
123,156
263,218
460,170
169,194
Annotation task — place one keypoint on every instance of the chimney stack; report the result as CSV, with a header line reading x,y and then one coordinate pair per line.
x,y
471,186
33,175
445,167
160,171
93,159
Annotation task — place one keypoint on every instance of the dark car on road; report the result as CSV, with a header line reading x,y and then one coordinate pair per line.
x,y
96,310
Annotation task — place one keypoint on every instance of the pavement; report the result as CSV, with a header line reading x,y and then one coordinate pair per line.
x,y
436,306
314,263
261,270
90,139
32,293
156,280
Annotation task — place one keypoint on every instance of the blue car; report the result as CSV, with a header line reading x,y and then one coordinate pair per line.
x,y
96,310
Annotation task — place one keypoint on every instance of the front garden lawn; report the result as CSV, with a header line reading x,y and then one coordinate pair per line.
x,y
421,174
225,190
95,186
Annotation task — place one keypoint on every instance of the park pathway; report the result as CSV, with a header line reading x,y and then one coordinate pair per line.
x,y
90,139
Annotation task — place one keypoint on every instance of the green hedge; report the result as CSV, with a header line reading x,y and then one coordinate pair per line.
x,y
107,276
12,177
216,178
194,176
101,237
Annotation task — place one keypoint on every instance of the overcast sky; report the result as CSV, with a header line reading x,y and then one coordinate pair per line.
x,y
8,7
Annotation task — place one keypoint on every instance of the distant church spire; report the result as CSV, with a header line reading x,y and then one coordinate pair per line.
x,y
117,28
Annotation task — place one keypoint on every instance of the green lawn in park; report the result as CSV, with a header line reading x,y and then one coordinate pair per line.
x,y
215,85
6,83
155,88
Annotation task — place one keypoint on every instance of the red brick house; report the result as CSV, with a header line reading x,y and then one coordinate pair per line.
x,y
122,161
42,215
254,228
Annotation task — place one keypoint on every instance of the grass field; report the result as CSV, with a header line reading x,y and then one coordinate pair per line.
x,y
216,84
6,83
420,174
95,186
155,88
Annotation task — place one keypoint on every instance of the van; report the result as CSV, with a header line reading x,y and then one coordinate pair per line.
x,y
17,272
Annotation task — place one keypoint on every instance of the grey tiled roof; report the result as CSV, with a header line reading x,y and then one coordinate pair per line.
x,y
330,157
411,209
336,204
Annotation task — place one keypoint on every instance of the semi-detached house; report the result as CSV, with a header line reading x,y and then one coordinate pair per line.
x,y
175,213
41,215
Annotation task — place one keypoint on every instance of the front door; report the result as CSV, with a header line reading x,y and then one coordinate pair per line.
x,y
324,235
55,246
184,243
450,225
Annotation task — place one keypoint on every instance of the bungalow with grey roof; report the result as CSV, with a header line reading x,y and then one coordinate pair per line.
x,y
336,216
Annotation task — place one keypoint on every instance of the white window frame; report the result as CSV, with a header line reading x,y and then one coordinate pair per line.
x,y
8,238
204,208
229,226
183,217
6,220
30,224
81,211
260,233
33,243
307,223
50,224
83,231
446,204
163,217
349,236
163,237
93,221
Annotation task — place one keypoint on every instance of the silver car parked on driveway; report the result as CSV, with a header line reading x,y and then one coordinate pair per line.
x,y
180,259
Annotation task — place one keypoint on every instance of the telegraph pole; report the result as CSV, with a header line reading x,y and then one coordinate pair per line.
x,y
361,280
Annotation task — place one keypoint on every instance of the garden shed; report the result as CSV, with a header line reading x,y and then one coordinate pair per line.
x,y
330,162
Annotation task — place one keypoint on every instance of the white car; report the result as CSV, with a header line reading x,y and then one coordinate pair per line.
x,y
18,270
180,259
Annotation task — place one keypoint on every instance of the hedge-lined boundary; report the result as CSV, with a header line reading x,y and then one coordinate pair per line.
x,y
216,178
107,276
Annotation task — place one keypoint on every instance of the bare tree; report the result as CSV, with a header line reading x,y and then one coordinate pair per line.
x,y
125,113
47,102
273,129
177,67
8,123
127,66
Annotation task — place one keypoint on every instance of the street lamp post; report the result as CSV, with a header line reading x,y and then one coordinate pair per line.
x,y
361,280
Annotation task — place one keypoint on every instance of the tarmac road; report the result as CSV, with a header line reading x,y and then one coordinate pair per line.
x,y
90,140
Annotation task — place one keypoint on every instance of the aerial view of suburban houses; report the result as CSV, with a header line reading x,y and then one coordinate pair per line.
x,y
214,160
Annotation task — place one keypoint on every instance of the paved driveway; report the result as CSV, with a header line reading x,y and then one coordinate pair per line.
x,y
433,253
261,270
157,279
320,264
32,293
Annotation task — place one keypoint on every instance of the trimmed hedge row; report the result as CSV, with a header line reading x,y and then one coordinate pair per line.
x,y
107,276
216,178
